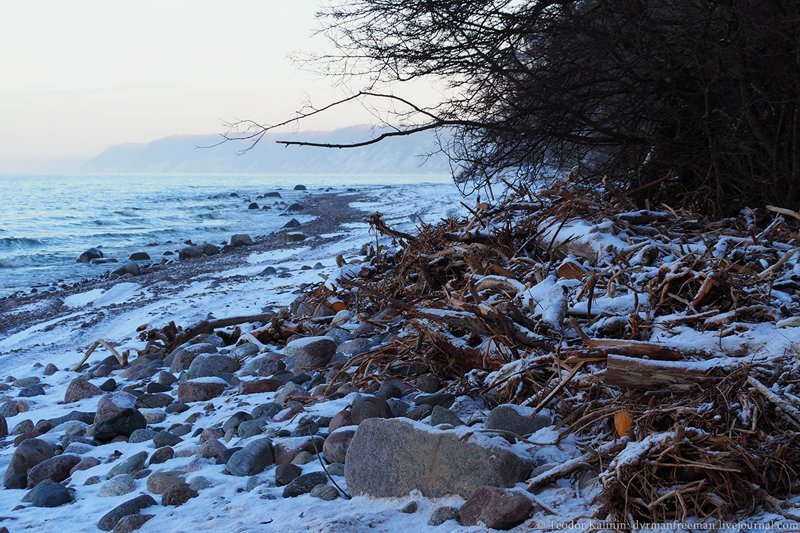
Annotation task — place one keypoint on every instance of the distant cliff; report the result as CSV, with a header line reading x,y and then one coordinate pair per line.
x,y
180,154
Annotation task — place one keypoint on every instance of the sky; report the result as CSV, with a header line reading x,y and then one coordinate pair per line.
x,y
77,76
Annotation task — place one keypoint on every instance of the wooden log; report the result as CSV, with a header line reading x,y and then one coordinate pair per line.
x,y
633,373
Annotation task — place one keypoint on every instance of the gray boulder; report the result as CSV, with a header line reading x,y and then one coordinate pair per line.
x,y
509,418
392,457
211,365
51,495
241,239
131,465
335,447
252,459
309,353
365,407
304,484
56,469
130,507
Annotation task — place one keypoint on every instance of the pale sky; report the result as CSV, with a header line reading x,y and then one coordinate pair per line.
x,y
79,75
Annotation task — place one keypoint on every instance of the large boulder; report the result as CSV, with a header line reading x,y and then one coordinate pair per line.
x,y
28,454
111,404
211,365
309,353
241,239
88,255
392,457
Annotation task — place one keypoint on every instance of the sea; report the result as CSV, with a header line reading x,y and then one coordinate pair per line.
x,y
46,222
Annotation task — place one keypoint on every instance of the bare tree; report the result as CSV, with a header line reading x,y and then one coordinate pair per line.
x,y
690,101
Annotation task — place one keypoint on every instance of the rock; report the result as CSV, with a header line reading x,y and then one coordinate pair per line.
x,y
295,207
306,427
339,420
259,385
121,424
201,390
495,508
131,465
302,458
50,369
28,454
335,447
117,486
304,484
440,398
142,435
293,223
253,205
155,416
309,353
80,389
514,419
287,449
132,522
266,410
177,407
294,237
392,457
139,256
51,495
211,449
241,239
165,438
88,255
130,267
9,408
162,455
211,365
85,464
178,494
165,379
236,419
365,407
251,459
389,390
409,508
112,404
56,469
31,391
153,400
159,482
299,187
250,428
442,415
440,515
324,492
109,385
130,507
181,358
286,473
200,483
3,427
22,427
211,249
288,390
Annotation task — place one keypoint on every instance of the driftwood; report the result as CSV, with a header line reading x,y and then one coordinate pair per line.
x,y
207,326
633,373
122,358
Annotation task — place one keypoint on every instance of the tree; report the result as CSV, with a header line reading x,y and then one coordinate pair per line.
x,y
694,102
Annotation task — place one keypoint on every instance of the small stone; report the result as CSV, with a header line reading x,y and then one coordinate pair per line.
x,y
211,449
200,483
336,469
85,464
428,383
442,415
162,455
159,482
120,425
303,458
495,508
324,492
80,389
259,385
109,385
177,407
51,495
131,465
50,369
286,473
236,419
130,507
211,365
441,515
365,407
117,486
141,435
153,400
165,438
241,239
267,410
250,428
132,522
178,494
201,390
309,353
409,508
31,391
304,484
335,447
509,418
251,459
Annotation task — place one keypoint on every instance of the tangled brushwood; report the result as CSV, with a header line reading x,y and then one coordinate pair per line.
x,y
649,333
664,343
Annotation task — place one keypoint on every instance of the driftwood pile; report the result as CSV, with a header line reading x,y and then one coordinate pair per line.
x,y
647,333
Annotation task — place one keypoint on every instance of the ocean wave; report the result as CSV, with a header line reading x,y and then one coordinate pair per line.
x,y
12,243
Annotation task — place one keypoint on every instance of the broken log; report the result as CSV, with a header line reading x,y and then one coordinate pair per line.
x,y
633,373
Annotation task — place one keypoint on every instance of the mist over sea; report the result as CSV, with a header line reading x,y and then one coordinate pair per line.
x,y
46,222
